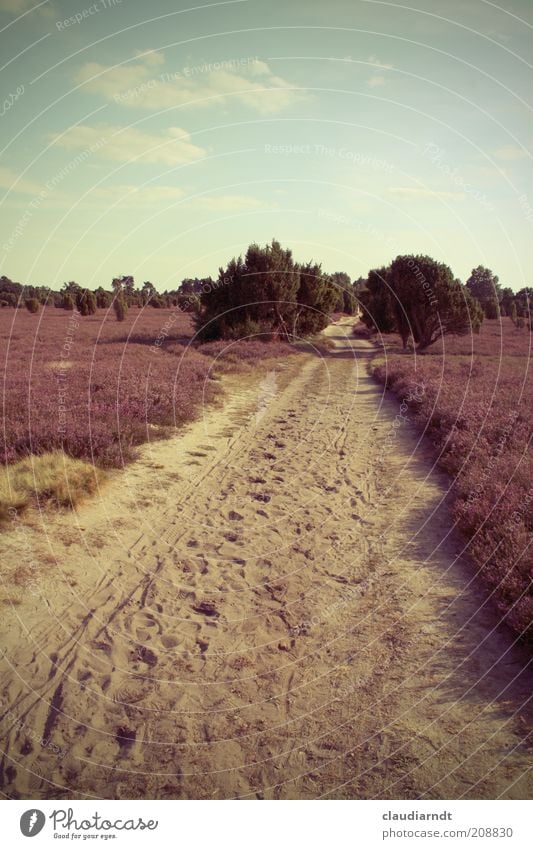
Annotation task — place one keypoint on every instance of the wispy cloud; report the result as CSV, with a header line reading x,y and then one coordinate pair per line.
x,y
16,7
373,60
8,178
249,81
511,153
424,194
378,79
229,203
129,144
139,195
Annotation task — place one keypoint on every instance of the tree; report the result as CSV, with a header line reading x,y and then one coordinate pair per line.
x,y
125,285
483,285
513,315
120,306
148,291
419,297
524,302
506,300
272,281
316,298
376,302
347,302
67,302
103,298
71,287
255,294
32,305
86,302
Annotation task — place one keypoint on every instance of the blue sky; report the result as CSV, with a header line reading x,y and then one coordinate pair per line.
x,y
161,139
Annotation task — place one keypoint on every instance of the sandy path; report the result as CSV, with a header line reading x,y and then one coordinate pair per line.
x,y
284,618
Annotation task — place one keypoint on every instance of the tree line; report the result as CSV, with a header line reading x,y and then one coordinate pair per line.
x,y
268,292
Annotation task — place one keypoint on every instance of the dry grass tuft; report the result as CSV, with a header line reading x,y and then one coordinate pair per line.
x,y
47,479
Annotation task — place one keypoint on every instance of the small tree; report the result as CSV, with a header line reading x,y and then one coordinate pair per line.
x,y
86,302
419,297
484,286
67,301
32,305
103,298
316,298
121,308
376,302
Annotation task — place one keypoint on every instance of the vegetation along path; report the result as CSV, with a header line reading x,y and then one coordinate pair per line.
x,y
295,623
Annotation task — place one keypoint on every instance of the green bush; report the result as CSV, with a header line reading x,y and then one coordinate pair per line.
x,y
32,305
121,308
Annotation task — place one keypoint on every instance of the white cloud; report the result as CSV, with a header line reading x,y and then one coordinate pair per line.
x,y
249,81
8,178
140,195
16,7
412,192
376,80
511,153
373,60
229,203
151,57
127,144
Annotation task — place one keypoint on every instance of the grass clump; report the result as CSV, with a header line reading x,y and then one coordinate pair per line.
x,y
51,479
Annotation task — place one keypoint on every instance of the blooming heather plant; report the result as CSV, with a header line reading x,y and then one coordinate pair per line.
x,y
476,410
97,388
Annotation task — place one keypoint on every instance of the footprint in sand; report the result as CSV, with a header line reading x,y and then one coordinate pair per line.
x,y
206,608
144,654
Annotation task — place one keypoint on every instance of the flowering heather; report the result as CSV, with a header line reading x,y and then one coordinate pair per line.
x,y
97,388
476,409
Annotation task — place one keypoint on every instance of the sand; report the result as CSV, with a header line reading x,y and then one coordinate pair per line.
x,y
271,605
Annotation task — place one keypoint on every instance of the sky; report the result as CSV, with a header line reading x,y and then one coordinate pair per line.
x,y
160,139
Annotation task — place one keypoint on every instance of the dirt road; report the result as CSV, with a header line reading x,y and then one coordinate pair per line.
x,y
272,606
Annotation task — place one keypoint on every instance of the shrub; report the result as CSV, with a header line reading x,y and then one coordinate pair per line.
x,y
32,305
121,308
